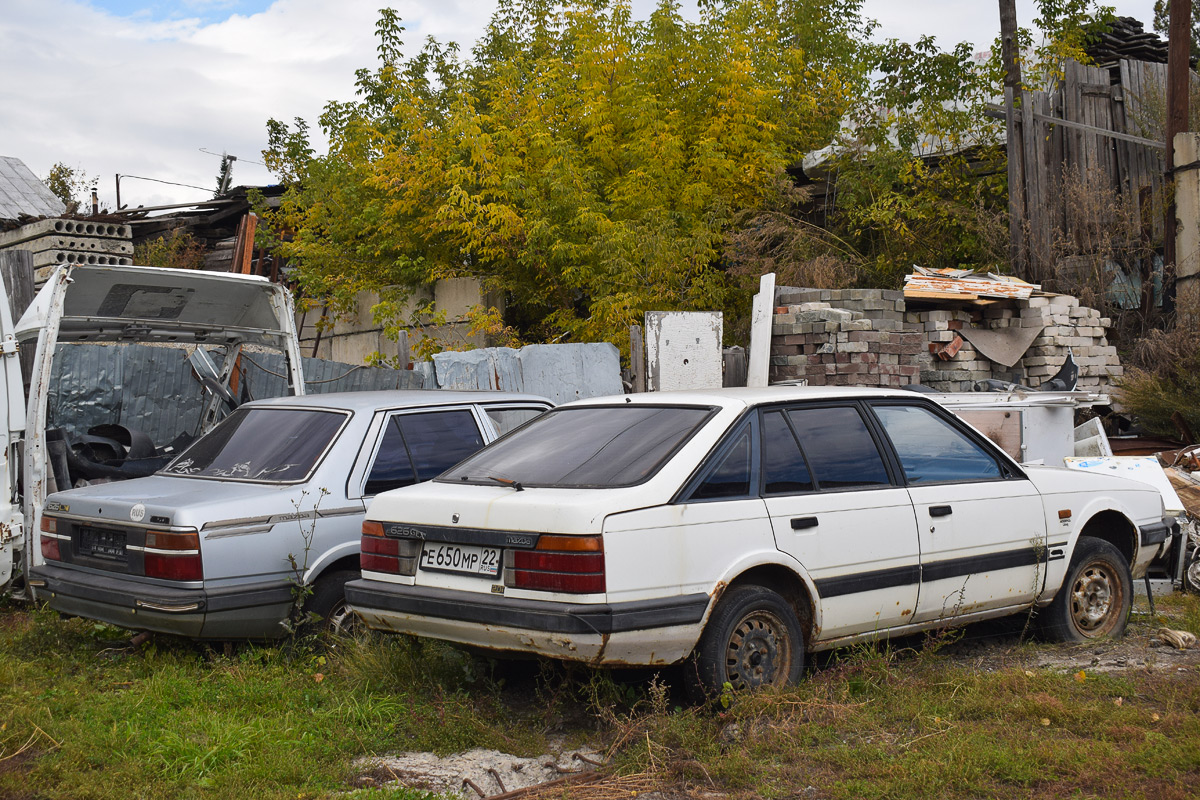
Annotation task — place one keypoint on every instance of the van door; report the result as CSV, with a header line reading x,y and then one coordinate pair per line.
x,y
12,398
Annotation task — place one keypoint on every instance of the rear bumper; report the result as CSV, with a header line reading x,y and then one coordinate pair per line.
x,y
641,632
234,613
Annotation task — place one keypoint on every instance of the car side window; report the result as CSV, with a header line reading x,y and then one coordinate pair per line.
x,y
841,451
932,450
505,419
393,466
440,439
418,447
785,469
731,476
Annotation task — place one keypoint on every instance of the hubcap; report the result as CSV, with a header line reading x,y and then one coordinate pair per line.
x,y
1092,599
759,652
342,620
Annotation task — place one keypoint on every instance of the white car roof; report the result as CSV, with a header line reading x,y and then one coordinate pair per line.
x,y
741,397
396,398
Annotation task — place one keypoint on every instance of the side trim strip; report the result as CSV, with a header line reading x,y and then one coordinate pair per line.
x,y
868,581
992,562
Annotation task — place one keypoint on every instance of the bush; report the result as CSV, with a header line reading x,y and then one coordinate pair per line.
x,y
1162,379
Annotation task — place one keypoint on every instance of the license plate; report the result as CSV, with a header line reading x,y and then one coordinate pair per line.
x,y
461,558
101,543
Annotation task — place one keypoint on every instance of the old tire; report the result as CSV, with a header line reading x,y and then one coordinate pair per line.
x,y
1191,576
328,603
1095,597
753,640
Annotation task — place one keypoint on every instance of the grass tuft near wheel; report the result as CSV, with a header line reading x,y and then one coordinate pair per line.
x,y
1094,599
752,640
328,602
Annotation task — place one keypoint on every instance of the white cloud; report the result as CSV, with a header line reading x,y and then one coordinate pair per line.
x,y
130,96
139,97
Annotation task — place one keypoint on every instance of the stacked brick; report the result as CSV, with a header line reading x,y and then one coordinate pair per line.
x,y
1080,329
868,337
828,346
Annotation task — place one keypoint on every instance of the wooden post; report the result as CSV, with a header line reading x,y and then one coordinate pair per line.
x,y
1017,211
637,358
762,314
403,356
1187,240
1179,39
243,248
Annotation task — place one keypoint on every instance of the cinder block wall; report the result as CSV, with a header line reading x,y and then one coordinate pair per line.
x,y
868,337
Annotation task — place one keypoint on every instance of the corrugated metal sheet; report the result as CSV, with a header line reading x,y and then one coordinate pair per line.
x,y
561,372
22,193
152,389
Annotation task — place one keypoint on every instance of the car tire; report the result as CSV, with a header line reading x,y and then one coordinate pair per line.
x,y
1095,597
753,640
328,604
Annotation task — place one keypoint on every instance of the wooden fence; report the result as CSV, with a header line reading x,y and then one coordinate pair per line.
x,y
1099,129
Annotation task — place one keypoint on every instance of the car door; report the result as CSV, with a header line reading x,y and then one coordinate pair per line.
x,y
836,507
981,523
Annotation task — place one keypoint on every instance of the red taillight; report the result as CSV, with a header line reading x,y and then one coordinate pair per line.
x,y
173,556
572,564
50,550
379,554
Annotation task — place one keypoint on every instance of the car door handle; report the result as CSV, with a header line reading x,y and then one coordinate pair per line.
x,y
800,523
940,511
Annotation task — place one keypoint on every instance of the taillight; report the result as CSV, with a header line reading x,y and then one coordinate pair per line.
x,y
379,553
173,556
50,538
572,564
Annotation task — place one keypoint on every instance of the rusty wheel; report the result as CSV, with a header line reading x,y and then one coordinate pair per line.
x,y
1095,597
752,640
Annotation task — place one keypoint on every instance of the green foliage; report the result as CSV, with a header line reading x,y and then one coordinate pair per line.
x,y
1162,23
180,250
585,164
69,184
224,175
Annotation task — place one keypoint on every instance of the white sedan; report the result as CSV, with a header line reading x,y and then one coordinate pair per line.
x,y
745,528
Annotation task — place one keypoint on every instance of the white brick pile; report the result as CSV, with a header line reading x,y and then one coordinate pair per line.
x,y
824,351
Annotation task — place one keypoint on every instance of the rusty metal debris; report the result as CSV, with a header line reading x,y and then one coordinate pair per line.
x,y
963,284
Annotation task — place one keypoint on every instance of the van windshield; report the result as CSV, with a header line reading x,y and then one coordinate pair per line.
x,y
273,445
584,447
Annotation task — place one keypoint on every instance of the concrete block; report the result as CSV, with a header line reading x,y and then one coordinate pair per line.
x,y
64,227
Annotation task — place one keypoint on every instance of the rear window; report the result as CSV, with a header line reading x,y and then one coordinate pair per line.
x,y
274,445
585,447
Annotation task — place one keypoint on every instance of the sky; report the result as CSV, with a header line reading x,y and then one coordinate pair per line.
x,y
156,90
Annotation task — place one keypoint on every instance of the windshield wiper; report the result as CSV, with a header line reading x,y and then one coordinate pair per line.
x,y
506,482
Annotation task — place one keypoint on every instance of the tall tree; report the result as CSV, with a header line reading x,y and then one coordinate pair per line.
x,y
582,162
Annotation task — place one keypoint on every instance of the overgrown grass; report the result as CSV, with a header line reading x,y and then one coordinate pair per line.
x,y
89,717
82,715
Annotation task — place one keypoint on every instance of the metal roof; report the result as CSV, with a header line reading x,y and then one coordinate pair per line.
x,y
22,193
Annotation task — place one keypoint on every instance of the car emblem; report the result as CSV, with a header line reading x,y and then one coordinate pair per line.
x,y
137,513
454,517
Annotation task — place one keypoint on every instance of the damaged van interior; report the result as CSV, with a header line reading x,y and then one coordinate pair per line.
x,y
131,364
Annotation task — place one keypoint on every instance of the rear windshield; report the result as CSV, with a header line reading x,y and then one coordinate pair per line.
x,y
584,447
274,445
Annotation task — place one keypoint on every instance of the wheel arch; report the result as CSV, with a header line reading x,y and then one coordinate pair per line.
x,y
786,583
331,565
1115,528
